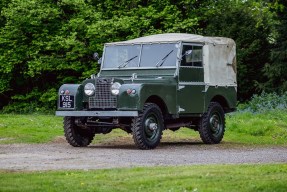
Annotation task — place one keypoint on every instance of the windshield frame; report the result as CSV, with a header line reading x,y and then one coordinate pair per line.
x,y
177,52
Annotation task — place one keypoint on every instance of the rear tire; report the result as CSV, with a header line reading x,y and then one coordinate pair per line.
x,y
147,127
212,124
77,136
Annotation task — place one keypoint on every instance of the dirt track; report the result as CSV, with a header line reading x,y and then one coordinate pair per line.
x,y
62,156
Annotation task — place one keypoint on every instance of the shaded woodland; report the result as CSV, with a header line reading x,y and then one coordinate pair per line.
x,y
45,43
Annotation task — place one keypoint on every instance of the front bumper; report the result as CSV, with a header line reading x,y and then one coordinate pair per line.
x,y
98,113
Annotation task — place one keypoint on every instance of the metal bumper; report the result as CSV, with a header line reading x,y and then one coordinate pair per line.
x,y
98,113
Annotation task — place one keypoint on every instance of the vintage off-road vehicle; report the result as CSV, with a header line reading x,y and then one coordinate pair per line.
x,y
153,83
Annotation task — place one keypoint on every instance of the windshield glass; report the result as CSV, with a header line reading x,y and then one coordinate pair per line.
x,y
146,55
121,56
154,54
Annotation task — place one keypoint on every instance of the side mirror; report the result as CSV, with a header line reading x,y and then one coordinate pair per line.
x,y
188,52
96,56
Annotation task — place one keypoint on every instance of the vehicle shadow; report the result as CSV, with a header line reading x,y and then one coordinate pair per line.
x,y
181,143
162,145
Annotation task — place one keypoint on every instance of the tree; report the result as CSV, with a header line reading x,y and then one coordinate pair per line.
x,y
249,24
276,70
45,43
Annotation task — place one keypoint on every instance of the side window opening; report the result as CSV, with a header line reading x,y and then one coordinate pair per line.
x,y
194,59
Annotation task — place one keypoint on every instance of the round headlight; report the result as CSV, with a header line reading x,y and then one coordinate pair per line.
x,y
89,89
115,88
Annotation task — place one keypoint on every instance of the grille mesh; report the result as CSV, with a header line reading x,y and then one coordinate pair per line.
x,y
103,96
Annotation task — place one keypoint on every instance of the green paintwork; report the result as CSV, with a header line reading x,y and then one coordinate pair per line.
x,y
129,102
191,74
159,82
166,92
162,89
76,90
183,98
191,99
228,93
191,90
122,73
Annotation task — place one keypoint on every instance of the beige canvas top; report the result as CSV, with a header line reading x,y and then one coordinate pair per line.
x,y
176,37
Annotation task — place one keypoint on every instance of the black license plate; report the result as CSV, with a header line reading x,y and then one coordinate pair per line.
x,y
67,101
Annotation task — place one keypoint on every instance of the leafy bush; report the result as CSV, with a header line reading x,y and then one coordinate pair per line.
x,y
45,43
265,102
33,102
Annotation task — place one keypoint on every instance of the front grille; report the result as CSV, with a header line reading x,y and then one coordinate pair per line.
x,y
103,96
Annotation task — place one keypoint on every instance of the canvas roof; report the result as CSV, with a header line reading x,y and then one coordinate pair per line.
x,y
176,37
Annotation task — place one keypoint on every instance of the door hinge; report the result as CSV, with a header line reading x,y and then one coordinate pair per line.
x,y
180,109
180,87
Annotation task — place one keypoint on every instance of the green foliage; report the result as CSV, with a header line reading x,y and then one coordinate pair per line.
x,y
173,178
45,43
249,23
276,70
265,102
35,101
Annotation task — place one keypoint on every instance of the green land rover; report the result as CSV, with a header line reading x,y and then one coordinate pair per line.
x,y
153,83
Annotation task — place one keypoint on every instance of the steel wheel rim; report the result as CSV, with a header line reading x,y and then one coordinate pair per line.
x,y
215,124
151,127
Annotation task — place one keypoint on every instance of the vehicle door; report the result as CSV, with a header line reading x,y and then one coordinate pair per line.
x,y
191,79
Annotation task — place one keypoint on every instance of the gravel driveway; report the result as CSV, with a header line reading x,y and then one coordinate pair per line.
x,y
55,156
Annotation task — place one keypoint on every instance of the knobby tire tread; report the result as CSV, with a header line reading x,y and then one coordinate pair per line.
x,y
204,131
138,137
74,139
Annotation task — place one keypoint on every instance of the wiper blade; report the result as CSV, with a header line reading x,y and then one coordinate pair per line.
x,y
160,62
126,62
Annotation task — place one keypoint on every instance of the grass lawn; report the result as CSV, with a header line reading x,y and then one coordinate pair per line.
x,y
29,128
241,128
181,178
262,128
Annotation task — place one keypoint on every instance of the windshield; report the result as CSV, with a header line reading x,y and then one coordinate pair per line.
x,y
120,55
146,55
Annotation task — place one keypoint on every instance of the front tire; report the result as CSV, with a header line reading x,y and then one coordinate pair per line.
x,y
76,136
147,127
212,124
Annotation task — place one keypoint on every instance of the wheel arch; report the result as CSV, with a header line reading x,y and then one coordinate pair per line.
x,y
159,102
222,101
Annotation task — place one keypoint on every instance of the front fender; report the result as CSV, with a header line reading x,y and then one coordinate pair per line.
x,y
167,93
129,101
75,90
